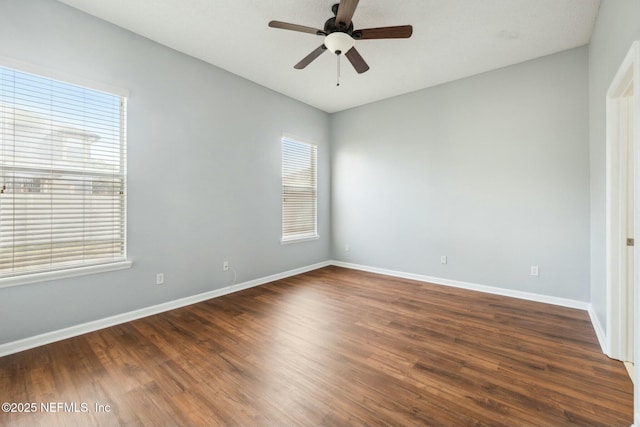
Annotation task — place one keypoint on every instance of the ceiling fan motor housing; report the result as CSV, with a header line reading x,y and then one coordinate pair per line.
x,y
331,27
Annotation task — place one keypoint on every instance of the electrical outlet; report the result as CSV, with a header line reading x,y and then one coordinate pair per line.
x,y
225,266
534,270
347,248
443,259
159,278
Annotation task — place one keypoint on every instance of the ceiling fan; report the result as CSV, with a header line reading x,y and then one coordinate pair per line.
x,y
340,37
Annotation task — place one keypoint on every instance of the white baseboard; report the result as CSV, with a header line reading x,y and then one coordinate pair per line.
x,y
72,331
564,302
49,337
597,327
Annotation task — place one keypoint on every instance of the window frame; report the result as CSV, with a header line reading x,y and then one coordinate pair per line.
x,y
120,263
306,236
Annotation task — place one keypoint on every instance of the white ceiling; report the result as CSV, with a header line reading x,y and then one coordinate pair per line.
x,y
451,39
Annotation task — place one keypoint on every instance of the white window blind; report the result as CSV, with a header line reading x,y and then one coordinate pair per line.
x,y
62,175
299,190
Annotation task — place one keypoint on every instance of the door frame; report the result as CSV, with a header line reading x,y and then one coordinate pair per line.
x,y
627,78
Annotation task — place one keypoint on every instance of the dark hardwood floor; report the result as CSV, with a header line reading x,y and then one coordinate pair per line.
x,y
331,347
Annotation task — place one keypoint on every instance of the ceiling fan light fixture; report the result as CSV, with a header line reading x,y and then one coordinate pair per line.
x,y
339,42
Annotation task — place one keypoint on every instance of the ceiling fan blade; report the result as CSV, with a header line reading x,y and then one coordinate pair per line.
x,y
399,32
309,58
356,60
345,12
295,27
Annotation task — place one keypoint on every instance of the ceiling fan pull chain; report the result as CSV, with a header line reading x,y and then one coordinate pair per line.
x,y
338,78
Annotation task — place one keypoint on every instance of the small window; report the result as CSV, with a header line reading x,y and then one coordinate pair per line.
x,y
62,175
299,191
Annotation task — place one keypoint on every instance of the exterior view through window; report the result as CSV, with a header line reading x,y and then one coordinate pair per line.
x,y
299,190
62,175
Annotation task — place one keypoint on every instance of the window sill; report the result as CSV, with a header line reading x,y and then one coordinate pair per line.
x,y
63,274
298,239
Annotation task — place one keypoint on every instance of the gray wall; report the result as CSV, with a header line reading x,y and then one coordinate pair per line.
x,y
204,170
491,171
617,26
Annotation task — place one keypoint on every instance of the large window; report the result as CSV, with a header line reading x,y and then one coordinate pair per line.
x,y
62,176
299,191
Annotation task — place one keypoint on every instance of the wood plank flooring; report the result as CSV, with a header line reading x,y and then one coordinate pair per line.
x,y
331,347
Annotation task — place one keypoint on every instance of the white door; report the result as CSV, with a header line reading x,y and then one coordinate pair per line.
x,y
623,203
627,133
